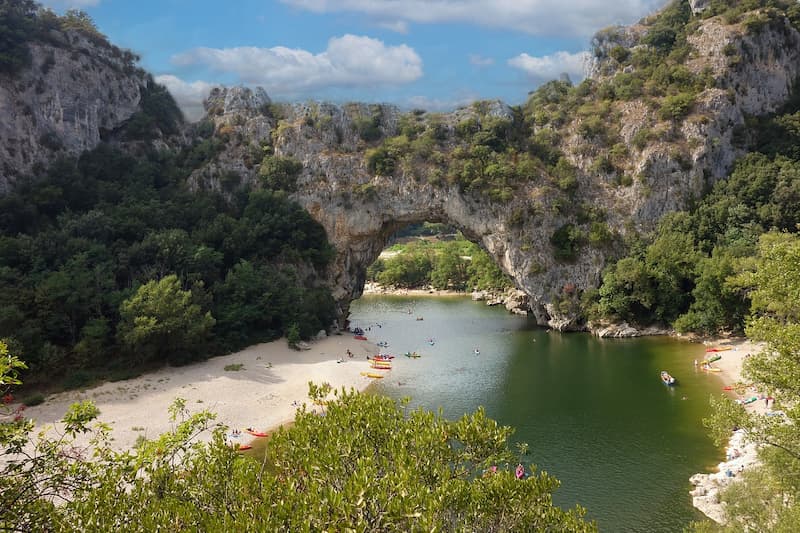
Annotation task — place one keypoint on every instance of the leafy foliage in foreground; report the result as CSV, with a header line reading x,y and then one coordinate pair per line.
x,y
367,465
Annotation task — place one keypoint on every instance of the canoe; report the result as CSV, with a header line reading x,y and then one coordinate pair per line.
x,y
666,378
415,355
372,375
719,349
256,433
359,337
712,358
243,447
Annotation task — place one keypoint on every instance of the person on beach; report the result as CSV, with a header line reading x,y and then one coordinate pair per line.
x,y
349,353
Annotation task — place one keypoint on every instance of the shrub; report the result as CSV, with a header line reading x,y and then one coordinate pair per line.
x,y
676,107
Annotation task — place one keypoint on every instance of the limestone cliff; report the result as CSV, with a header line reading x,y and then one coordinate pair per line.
x,y
576,167
74,93
748,71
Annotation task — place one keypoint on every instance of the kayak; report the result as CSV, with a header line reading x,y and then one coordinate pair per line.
x,y
256,433
712,358
414,354
372,375
359,337
719,349
243,447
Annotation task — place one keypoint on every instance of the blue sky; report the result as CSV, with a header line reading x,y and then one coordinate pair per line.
x,y
433,54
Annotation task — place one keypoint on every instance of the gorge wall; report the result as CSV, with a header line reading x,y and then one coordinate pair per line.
x,y
75,92
550,189
750,73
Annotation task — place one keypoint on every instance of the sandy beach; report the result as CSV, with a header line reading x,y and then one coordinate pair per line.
x,y
739,454
260,394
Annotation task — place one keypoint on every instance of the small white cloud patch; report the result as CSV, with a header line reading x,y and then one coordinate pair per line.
x,y
549,67
480,61
188,95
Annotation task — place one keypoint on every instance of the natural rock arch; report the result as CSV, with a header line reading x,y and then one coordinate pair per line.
x,y
360,210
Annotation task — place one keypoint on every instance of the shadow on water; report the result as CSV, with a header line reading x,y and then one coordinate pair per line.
x,y
593,411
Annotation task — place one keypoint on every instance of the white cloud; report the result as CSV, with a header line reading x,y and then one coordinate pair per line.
x,y
188,95
349,61
69,4
397,26
538,17
480,61
440,104
550,67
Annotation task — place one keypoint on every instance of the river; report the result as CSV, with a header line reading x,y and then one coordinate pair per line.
x,y
593,411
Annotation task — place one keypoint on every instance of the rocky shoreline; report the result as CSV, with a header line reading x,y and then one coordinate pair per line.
x,y
514,300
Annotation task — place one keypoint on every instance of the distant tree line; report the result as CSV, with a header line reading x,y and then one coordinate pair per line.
x,y
458,265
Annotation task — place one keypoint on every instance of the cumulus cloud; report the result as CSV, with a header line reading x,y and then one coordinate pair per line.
x,y
188,95
480,61
349,61
549,67
537,17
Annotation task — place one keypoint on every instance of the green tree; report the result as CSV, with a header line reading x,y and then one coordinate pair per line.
x,y
368,465
768,499
161,321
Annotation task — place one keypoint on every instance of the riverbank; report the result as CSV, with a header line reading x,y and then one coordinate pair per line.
x,y
739,454
260,387
514,300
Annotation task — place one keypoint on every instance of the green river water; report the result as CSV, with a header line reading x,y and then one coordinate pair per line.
x,y
593,411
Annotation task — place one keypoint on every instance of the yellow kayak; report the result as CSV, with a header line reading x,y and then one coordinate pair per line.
x,y
372,375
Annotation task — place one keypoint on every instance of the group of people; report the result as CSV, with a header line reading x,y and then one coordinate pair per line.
x,y
519,471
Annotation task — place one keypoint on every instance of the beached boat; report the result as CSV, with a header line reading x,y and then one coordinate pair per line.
x,y
719,349
372,375
255,433
711,359
412,354
381,365
666,378
359,337
243,447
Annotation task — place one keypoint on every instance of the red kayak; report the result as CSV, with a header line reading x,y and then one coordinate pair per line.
x,y
359,337
256,433
243,447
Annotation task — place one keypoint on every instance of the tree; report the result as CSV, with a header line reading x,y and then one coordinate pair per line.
x,y
161,321
774,285
367,465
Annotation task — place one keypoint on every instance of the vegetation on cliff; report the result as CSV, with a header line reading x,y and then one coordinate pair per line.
x,y
684,273
23,22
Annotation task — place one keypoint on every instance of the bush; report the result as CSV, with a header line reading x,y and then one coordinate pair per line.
x,y
676,107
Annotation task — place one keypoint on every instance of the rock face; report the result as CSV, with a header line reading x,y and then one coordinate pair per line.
x,y
753,72
76,94
73,94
